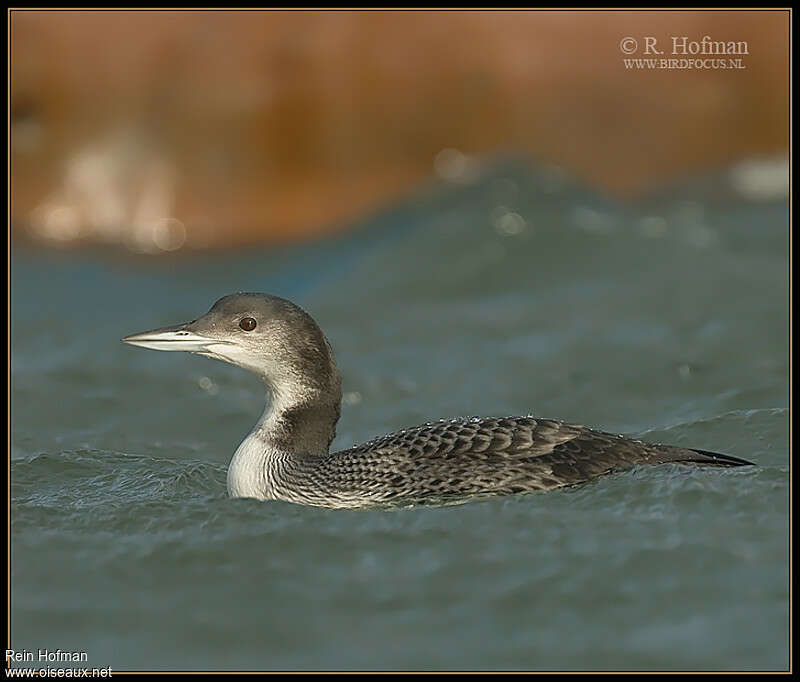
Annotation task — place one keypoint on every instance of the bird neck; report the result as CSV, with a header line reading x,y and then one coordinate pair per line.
x,y
289,433
301,421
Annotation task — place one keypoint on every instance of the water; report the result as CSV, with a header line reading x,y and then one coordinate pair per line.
x,y
520,294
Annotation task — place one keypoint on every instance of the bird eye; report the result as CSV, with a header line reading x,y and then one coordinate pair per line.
x,y
247,323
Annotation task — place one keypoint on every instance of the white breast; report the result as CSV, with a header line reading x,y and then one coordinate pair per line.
x,y
247,474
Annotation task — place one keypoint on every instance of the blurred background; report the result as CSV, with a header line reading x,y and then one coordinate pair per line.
x,y
155,131
488,213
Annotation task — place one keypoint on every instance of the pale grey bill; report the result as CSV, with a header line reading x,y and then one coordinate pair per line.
x,y
171,338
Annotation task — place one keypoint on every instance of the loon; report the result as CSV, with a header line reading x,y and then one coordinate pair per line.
x,y
287,457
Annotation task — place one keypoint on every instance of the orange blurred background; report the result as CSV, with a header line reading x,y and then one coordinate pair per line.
x,y
163,130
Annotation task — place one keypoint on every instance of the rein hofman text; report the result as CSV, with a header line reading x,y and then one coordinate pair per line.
x,y
45,656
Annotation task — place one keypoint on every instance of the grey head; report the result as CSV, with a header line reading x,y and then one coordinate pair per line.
x,y
266,335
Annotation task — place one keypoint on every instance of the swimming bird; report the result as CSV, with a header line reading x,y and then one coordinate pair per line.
x,y
286,456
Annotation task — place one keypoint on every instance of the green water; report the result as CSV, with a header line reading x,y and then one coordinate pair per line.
x,y
667,320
